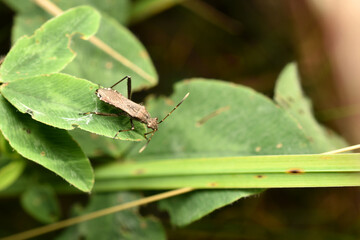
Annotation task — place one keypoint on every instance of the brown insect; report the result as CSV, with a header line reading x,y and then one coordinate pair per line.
x,y
131,109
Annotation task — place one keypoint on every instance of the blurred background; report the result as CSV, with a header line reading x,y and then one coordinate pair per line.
x,y
248,43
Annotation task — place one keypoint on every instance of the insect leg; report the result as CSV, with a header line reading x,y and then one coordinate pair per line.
x,y
101,114
128,85
148,140
126,130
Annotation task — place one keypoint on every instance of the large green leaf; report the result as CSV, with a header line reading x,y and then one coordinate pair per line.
x,y
47,51
105,69
22,6
219,119
59,99
100,67
222,119
118,9
126,224
47,146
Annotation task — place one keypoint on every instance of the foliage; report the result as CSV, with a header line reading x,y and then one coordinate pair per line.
x,y
217,135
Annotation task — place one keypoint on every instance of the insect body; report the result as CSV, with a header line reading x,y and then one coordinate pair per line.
x,y
131,109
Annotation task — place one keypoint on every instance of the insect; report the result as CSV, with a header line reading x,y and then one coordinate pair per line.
x,y
131,109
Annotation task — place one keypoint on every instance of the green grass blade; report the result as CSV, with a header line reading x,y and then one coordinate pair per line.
x,y
235,181
249,164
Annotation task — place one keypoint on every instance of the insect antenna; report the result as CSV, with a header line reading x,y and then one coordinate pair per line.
x,y
153,131
174,108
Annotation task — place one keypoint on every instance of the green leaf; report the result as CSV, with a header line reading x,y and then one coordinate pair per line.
x,y
126,224
28,9
100,67
22,6
289,95
41,203
222,119
47,51
50,147
10,171
105,69
217,120
26,24
59,100
201,203
97,146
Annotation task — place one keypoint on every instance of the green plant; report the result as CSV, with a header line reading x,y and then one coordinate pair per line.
x,y
49,78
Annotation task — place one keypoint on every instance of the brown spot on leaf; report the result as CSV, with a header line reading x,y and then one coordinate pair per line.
x,y
326,157
139,171
213,184
279,145
295,171
42,154
290,99
258,149
259,176
109,65
283,103
144,54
